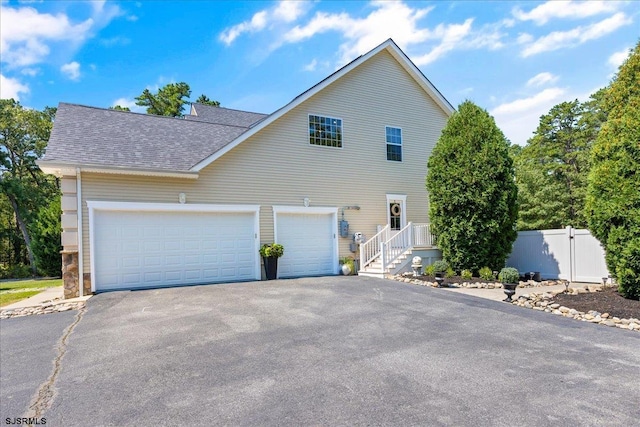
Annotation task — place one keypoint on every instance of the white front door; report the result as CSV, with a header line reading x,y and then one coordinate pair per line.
x,y
396,215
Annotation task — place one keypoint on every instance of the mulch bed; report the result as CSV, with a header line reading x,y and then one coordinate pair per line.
x,y
606,301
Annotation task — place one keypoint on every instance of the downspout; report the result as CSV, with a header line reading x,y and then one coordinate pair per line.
x,y
80,253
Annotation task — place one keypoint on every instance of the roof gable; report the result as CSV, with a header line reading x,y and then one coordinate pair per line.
x,y
388,45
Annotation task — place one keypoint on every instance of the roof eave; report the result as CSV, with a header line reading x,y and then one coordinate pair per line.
x,y
66,169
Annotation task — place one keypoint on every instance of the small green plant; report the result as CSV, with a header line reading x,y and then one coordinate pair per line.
x,y
440,266
429,270
509,275
449,273
274,250
350,262
466,274
486,273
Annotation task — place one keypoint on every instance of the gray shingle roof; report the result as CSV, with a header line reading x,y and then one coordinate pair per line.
x,y
223,116
95,136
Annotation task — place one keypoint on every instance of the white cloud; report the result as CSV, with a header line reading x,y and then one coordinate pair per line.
x,y
564,9
285,11
518,119
542,79
311,66
26,34
562,39
11,88
71,70
524,38
30,71
617,58
289,11
130,104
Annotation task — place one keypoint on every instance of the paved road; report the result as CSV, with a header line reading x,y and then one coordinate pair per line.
x,y
339,351
28,347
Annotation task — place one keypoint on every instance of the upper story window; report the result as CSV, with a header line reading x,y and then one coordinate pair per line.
x,y
325,131
394,143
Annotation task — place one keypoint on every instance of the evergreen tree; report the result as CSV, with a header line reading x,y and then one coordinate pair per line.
x,y
472,193
613,195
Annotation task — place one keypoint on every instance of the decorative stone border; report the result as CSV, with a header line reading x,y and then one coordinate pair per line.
x,y
544,302
44,308
481,285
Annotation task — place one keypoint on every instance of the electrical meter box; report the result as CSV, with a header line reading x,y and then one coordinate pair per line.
x,y
344,228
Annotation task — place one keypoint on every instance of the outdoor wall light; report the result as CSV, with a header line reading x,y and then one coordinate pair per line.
x,y
306,202
182,198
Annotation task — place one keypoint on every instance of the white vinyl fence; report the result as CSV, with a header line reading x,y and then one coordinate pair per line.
x,y
569,254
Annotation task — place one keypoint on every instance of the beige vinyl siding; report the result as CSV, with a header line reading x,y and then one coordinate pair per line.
x,y
278,166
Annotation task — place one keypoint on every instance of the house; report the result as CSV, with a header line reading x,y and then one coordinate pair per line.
x,y
154,201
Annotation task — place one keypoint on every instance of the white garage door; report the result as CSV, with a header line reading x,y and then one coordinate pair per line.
x,y
149,249
309,244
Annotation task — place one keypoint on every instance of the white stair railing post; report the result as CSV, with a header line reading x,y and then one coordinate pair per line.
x,y
410,242
362,255
383,256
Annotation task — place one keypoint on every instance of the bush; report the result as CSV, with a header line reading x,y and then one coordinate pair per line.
x,y
613,199
440,266
509,275
17,271
45,241
449,273
430,270
272,250
472,192
466,274
486,273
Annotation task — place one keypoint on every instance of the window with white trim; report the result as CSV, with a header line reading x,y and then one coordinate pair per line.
x,y
325,131
394,143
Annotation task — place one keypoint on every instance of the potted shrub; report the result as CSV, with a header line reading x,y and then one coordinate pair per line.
x,y
440,267
509,277
270,254
347,266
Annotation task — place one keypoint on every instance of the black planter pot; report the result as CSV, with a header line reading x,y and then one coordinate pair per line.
x,y
510,290
440,280
270,267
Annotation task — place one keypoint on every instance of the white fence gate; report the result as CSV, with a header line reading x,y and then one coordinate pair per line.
x,y
569,254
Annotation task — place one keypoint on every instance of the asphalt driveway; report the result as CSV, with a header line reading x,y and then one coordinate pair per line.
x,y
338,351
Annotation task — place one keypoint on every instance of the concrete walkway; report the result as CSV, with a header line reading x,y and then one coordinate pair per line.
x,y
499,295
53,295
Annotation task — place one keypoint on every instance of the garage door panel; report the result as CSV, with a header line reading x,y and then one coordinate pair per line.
x,y
309,243
136,249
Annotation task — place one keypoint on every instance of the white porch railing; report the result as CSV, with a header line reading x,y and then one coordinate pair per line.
x,y
396,246
370,250
422,235
386,248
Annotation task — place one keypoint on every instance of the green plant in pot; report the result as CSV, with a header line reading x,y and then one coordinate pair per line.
x,y
270,254
509,277
347,266
440,267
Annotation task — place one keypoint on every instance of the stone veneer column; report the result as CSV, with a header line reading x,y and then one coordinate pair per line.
x,y
70,237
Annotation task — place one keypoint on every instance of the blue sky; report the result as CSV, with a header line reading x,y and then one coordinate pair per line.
x,y
515,59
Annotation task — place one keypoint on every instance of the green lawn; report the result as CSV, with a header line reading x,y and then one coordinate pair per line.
x,y
7,298
17,290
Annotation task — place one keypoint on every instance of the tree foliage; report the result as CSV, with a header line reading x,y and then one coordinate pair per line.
x,y
119,108
46,230
472,193
204,99
23,137
552,169
613,195
170,100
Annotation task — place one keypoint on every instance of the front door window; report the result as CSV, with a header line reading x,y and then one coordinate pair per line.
x,y
395,215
